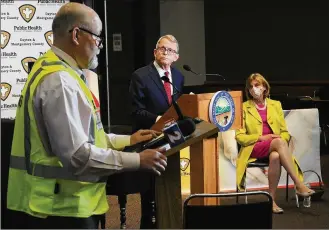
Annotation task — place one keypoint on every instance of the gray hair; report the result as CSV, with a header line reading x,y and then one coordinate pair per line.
x,y
170,38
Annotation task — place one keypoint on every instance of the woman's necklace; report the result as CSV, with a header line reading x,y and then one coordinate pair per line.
x,y
260,108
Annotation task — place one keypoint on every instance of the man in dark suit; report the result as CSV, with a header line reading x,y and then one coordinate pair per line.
x,y
148,92
151,98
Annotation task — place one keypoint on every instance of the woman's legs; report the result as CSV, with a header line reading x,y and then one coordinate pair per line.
x,y
281,147
274,172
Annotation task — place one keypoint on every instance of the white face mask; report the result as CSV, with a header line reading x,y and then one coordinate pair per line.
x,y
257,92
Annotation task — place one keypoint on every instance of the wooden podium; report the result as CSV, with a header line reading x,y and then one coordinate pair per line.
x,y
203,159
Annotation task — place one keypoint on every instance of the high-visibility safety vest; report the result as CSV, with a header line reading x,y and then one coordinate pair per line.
x,y
39,184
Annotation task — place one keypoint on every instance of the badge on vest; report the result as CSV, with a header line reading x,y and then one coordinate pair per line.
x,y
99,124
96,105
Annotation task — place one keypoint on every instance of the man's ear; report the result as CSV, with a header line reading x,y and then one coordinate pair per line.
x,y
75,36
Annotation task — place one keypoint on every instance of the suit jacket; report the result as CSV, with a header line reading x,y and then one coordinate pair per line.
x,y
149,98
253,128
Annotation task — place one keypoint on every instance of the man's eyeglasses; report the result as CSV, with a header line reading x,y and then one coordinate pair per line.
x,y
163,49
98,39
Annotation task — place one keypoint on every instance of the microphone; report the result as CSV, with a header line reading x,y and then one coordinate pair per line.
x,y
186,126
176,107
188,68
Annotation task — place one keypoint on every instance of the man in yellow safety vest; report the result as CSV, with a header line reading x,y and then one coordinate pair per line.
x,y
61,156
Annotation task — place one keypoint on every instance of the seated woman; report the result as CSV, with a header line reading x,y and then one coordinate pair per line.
x,y
265,135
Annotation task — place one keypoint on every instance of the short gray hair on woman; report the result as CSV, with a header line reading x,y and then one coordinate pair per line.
x,y
66,20
170,38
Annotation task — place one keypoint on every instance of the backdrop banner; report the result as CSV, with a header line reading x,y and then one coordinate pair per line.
x,y
303,126
25,35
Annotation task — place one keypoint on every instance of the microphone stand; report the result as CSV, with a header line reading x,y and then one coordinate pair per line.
x,y
215,74
178,111
188,68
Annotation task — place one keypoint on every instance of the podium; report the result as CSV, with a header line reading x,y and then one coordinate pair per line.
x,y
203,158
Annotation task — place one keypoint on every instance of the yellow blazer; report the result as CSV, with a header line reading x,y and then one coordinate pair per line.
x,y
252,129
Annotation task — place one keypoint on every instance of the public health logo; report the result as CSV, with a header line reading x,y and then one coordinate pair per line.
x,y
5,37
25,63
184,163
5,90
49,37
222,110
27,12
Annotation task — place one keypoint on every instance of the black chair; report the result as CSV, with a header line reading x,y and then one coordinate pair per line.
x,y
228,214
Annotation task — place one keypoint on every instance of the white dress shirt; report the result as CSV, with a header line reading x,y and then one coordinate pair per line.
x,y
63,116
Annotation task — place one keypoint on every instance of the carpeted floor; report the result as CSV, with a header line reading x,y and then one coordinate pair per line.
x,y
316,217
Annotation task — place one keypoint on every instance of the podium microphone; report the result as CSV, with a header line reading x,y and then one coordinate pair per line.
x,y
186,126
188,68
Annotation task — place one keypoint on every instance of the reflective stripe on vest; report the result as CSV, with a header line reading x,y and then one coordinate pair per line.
x,y
47,171
51,172
27,142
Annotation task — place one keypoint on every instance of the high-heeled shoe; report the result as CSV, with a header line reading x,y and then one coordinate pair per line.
x,y
306,196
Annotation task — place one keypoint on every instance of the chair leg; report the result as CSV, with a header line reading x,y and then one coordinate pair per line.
x,y
103,221
287,190
237,197
245,189
122,202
